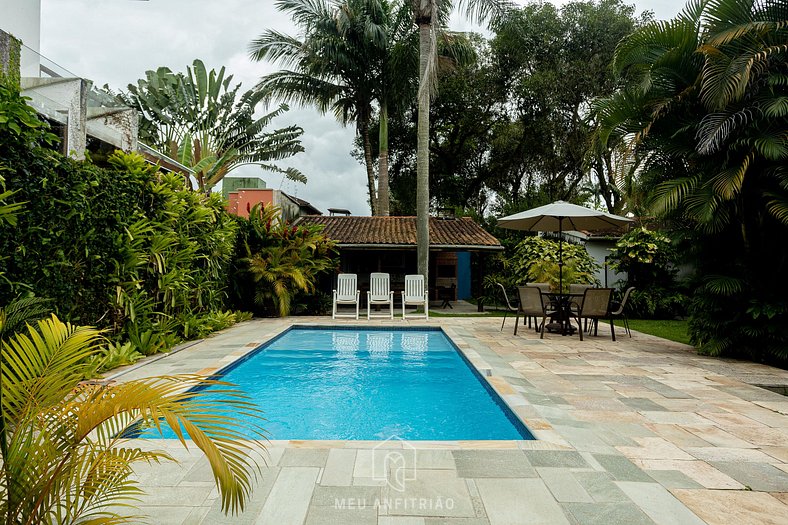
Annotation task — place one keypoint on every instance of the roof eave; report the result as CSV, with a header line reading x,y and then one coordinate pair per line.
x,y
382,246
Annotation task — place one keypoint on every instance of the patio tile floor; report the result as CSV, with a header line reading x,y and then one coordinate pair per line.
x,y
640,430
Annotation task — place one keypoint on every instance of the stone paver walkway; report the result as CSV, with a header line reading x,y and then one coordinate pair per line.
x,y
640,431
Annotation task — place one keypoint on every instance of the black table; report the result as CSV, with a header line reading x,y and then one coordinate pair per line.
x,y
564,313
446,293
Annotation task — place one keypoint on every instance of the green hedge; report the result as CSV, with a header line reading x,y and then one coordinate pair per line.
x,y
125,247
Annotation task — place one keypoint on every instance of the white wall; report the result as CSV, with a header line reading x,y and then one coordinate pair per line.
x,y
600,249
22,18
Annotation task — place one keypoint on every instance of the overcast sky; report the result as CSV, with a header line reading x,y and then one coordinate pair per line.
x,y
115,41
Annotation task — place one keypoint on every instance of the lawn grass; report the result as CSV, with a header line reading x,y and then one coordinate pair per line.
x,y
673,330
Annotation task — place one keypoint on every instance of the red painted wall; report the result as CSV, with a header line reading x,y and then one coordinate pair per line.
x,y
242,201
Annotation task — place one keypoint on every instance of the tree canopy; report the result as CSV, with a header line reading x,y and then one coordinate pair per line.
x,y
513,128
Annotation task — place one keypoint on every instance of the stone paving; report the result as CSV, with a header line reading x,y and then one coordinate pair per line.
x,y
638,431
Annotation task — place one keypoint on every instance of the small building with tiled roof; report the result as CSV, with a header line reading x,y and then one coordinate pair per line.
x,y
240,199
388,244
400,232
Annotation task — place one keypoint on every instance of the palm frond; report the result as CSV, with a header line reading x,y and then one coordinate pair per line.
x,y
776,107
724,285
42,367
19,312
671,193
727,184
486,10
67,458
716,128
778,207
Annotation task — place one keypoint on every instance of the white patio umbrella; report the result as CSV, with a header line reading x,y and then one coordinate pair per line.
x,y
559,217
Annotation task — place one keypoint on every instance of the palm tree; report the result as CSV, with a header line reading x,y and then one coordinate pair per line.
x,y
200,120
351,56
328,68
708,97
65,455
706,113
429,16
386,28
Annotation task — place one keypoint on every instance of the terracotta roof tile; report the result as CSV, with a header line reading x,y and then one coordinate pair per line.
x,y
401,231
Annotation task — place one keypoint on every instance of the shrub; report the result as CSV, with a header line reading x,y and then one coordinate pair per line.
x,y
647,257
114,355
649,260
535,259
738,306
124,248
275,261
174,257
656,303
532,251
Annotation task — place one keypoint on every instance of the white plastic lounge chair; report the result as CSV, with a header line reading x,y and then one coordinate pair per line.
x,y
415,294
346,293
379,294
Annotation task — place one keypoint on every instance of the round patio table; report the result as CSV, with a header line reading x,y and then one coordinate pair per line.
x,y
562,319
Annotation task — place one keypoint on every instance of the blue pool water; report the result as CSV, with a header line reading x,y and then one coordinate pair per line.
x,y
366,384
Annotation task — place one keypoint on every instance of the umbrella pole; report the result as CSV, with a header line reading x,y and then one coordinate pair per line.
x,y
560,256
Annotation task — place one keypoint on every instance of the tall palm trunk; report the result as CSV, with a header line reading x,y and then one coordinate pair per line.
x,y
373,199
383,162
424,13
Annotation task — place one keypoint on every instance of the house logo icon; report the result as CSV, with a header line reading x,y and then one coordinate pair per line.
x,y
394,461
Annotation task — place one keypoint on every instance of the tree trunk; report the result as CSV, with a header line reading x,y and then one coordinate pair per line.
x,y
423,152
373,199
607,182
383,163
196,156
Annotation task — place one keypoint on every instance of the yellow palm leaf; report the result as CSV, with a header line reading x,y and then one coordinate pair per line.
x,y
67,458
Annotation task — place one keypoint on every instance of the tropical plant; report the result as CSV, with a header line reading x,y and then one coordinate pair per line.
x,y
65,457
122,247
18,123
113,355
8,211
17,313
280,260
647,257
352,53
553,274
62,245
535,259
705,111
201,325
199,119
173,259
535,256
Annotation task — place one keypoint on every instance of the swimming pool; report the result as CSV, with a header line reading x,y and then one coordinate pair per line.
x,y
370,384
